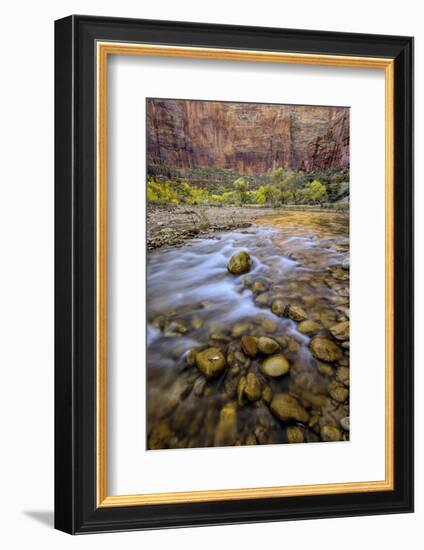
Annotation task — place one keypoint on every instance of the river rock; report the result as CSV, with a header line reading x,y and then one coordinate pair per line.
x,y
287,408
249,345
278,307
239,263
267,345
269,325
275,365
325,349
226,429
338,392
267,394
345,423
263,299
176,328
253,387
343,362
330,433
210,362
199,386
325,369
293,345
190,357
346,263
328,317
295,435
160,435
340,331
241,386
250,440
257,287
239,329
296,313
342,375
230,387
247,280
235,369
309,327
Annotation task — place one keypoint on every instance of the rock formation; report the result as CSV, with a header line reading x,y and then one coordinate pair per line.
x,y
248,138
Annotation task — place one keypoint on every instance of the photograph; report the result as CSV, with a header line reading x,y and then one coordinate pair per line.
x,y
233,267
247,273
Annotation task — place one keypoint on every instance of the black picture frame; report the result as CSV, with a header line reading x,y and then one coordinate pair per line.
x,y
76,510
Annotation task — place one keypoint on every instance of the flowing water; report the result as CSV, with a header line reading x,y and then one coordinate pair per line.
x,y
194,303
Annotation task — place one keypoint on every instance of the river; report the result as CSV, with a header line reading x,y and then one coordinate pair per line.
x,y
297,289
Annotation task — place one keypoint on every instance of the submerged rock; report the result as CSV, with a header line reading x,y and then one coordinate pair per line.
x,y
296,313
239,329
331,433
190,357
253,387
267,345
210,362
258,286
176,328
278,307
263,299
267,394
340,331
342,375
250,440
287,408
160,436
325,369
345,423
269,325
275,365
239,263
338,392
199,387
325,349
226,429
295,435
241,386
249,345
309,327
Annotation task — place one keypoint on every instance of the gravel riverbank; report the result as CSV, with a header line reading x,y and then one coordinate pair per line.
x,y
172,225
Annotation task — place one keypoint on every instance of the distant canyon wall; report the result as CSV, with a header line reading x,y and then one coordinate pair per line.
x,y
246,138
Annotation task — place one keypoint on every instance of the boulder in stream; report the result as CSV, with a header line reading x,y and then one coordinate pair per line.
x,y
239,263
210,362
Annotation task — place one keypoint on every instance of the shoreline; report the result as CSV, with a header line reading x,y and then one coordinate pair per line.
x,y
173,225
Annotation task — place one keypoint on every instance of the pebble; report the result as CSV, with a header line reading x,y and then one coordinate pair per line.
x,y
275,365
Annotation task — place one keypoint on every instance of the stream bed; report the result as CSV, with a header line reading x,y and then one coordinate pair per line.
x,y
276,336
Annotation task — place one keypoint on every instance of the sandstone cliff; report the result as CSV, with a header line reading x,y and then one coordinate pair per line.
x,y
248,138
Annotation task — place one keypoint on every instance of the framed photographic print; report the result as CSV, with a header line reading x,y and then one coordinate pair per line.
x,y
234,274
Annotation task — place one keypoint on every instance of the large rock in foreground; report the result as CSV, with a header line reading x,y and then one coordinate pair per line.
x,y
239,263
210,362
288,409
